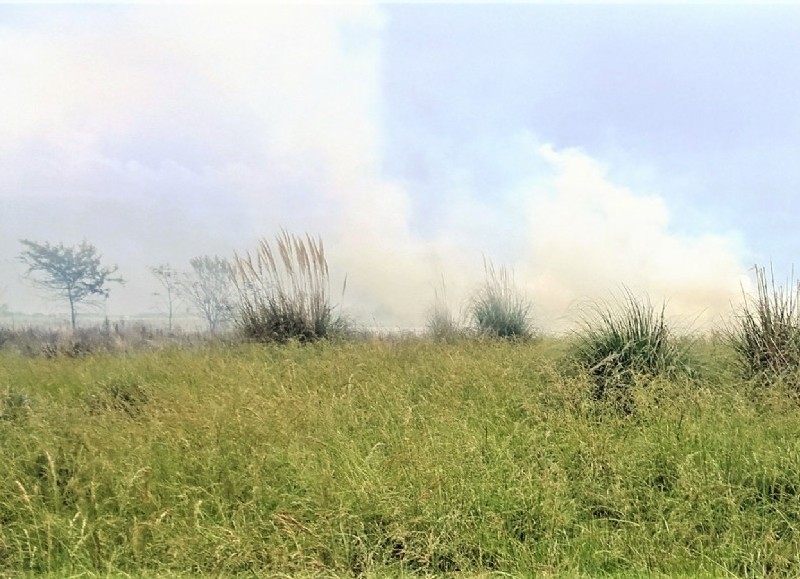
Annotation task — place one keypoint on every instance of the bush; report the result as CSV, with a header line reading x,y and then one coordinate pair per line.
x,y
498,309
284,292
766,338
620,342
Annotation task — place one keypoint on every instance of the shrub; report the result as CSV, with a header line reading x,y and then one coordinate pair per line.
x,y
766,338
498,309
621,341
284,291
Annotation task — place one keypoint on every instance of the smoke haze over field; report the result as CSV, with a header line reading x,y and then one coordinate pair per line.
x,y
416,141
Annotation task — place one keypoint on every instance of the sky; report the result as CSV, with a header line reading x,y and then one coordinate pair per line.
x,y
586,148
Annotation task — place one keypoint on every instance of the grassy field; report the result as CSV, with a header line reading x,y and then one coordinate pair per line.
x,y
391,458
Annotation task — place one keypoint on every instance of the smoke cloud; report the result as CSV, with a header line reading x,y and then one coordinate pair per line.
x,y
159,134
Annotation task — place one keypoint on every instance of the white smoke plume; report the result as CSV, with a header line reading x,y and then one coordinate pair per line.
x,y
159,134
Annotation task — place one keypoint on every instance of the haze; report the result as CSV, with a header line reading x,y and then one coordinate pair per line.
x,y
585,147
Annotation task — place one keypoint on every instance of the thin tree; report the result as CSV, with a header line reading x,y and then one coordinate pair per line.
x,y
71,273
169,278
208,287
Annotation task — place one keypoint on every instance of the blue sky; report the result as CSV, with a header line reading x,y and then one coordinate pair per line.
x,y
700,99
584,146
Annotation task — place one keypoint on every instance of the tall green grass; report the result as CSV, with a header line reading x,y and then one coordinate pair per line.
x,y
766,336
413,458
623,341
498,309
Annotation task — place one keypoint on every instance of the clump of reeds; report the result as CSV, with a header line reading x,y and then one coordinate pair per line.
x,y
631,338
284,291
766,338
442,324
498,309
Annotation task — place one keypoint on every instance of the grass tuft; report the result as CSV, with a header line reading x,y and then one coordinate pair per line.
x,y
766,338
622,341
284,291
442,325
498,309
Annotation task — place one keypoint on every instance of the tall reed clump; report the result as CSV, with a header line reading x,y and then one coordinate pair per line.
x,y
441,324
766,338
498,309
284,291
630,338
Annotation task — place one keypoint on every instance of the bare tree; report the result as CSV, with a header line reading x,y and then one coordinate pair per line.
x,y
72,273
169,278
208,287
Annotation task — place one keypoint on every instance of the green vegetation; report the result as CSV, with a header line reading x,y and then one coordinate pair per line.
x,y
127,451
498,309
379,459
71,273
767,337
625,341
284,292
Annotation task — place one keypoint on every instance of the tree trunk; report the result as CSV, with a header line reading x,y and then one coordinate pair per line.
x,y
169,299
72,311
